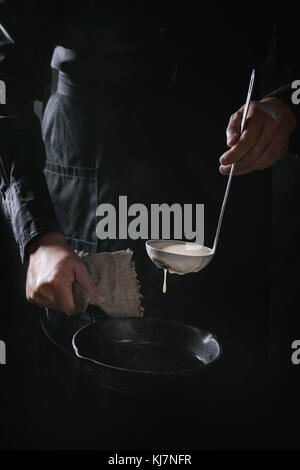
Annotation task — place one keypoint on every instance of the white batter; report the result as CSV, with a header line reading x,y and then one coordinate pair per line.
x,y
184,249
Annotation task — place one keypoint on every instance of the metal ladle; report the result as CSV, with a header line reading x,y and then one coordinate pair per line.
x,y
188,263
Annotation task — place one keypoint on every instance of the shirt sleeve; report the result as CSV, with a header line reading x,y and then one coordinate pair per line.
x,y
285,93
287,68
27,39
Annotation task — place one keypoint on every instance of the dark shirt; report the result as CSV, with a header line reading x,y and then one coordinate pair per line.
x,y
104,48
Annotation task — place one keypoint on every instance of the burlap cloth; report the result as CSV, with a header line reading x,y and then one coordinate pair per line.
x,y
115,277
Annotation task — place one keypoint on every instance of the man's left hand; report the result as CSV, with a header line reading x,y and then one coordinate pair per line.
x,y
265,139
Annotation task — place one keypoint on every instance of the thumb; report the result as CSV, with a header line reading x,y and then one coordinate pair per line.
x,y
234,128
84,280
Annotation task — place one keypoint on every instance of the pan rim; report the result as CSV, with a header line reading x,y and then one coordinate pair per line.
x,y
144,372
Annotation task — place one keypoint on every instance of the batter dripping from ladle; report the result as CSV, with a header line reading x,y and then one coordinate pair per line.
x,y
187,250
165,281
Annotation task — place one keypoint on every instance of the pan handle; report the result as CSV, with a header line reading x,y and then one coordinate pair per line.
x,y
53,341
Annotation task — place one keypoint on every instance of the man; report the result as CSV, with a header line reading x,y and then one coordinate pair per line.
x,y
142,101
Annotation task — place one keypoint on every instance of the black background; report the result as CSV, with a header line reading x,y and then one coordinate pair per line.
x,y
19,323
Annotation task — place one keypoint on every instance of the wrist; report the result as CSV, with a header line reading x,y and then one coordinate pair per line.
x,y
282,111
46,239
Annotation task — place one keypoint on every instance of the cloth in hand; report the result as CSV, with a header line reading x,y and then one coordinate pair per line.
x,y
115,278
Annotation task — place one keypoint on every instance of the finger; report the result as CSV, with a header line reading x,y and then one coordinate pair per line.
x,y
245,143
225,170
274,152
256,153
65,299
39,295
269,134
42,301
271,154
233,128
83,278
57,295
244,172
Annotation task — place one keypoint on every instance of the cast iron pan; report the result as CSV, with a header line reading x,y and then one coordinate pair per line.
x,y
146,356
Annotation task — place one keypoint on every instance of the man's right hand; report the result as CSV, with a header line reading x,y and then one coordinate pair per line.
x,y
53,267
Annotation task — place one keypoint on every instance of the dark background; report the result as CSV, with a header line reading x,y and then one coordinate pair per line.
x,y
19,321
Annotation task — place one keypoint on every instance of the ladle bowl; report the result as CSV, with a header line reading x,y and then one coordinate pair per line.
x,y
178,263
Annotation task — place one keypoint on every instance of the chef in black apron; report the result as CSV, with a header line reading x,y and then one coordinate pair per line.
x,y
139,108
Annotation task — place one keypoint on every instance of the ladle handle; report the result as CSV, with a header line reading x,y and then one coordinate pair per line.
x,y
245,113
